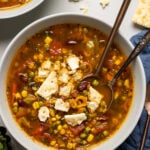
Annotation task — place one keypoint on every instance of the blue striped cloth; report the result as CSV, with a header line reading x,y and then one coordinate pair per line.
x,y
133,141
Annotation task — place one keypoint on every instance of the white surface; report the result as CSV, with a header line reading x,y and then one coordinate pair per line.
x,y
10,27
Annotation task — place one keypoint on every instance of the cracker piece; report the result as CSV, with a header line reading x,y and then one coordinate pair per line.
x,y
142,13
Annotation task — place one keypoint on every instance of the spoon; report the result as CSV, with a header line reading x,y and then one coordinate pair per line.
x,y
95,75
136,51
108,86
114,30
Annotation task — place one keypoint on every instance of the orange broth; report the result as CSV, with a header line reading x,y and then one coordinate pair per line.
x,y
67,52
7,4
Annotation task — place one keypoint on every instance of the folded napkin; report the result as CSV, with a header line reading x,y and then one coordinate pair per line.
x,y
133,141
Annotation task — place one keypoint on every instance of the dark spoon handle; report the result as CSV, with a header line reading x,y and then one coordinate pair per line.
x,y
114,30
137,50
145,133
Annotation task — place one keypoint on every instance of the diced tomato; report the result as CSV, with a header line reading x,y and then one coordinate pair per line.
x,y
100,128
40,129
109,63
55,48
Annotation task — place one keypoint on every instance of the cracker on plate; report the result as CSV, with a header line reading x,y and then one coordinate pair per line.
x,y
142,13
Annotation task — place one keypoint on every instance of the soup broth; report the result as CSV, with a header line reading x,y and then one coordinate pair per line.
x,y
12,3
42,87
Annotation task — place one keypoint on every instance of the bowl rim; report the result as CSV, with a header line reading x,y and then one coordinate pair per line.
x,y
17,11
23,31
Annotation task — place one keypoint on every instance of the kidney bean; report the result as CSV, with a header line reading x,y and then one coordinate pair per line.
x,y
103,118
21,103
83,86
48,136
23,77
71,42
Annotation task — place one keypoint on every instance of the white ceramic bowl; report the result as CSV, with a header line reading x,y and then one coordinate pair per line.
x,y
13,12
137,68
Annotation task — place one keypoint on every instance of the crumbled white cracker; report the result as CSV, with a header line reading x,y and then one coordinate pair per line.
x,y
142,13
104,3
84,9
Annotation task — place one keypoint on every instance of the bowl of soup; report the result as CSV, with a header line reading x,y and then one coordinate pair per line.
x,y
13,8
41,103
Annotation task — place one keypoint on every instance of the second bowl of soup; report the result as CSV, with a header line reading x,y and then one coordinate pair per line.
x,y
14,8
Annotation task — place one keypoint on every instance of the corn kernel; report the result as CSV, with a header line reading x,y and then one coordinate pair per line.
x,y
15,109
70,145
48,40
31,74
52,143
35,105
65,126
116,95
35,57
40,102
59,127
84,142
15,104
104,69
31,65
54,119
53,101
17,95
36,94
114,57
62,131
90,137
57,117
105,133
117,62
64,50
126,83
40,56
46,45
52,112
92,129
58,122
24,93
62,145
